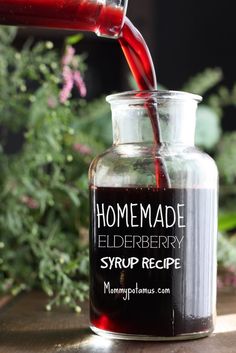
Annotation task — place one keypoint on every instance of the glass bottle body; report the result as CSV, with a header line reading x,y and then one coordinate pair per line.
x,y
153,247
102,17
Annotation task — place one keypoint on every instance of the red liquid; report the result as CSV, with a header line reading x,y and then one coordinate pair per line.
x,y
66,14
182,299
141,65
138,56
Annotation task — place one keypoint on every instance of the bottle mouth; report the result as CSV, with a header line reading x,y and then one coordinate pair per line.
x,y
112,18
140,97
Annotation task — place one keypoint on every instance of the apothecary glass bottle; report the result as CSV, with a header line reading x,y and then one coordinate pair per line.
x,y
153,223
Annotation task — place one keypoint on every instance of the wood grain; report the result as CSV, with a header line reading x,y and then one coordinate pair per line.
x,y
25,327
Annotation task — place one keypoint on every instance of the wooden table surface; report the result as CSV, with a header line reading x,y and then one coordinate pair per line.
x,y
25,327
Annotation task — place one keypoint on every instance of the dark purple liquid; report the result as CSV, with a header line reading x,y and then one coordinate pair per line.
x,y
187,305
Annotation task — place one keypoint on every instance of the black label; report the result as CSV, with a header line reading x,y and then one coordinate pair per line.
x,y
145,245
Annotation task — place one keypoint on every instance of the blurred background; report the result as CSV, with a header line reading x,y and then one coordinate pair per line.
x,y
184,39
48,140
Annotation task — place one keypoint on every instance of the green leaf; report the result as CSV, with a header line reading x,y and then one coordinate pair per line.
x,y
204,81
7,35
227,221
74,39
226,158
208,129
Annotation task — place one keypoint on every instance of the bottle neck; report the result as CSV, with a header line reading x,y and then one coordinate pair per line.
x,y
174,120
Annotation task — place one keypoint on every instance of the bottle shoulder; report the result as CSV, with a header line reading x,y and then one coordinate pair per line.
x,y
101,161
136,151
129,164
199,157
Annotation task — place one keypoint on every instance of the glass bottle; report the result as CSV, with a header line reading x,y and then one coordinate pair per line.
x,y
104,17
153,223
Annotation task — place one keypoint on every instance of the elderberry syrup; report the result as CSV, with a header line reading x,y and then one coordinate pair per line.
x,y
153,198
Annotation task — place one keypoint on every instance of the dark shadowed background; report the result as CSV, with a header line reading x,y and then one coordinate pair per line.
x,y
184,37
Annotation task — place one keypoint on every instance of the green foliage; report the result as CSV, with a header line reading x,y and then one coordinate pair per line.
x,y
206,137
226,158
203,82
227,221
222,98
74,39
44,193
226,251
7,36
98,120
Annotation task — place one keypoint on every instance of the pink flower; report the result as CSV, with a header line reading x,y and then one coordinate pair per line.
x,y
80,84
68,56
67,75
82,149
69,79
71,76
30,202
